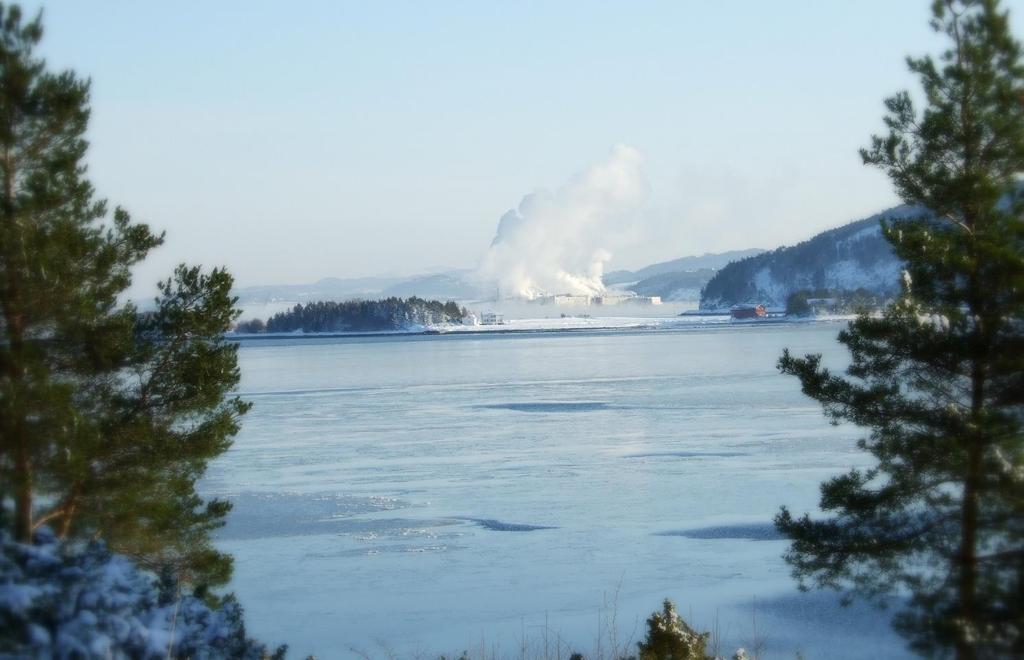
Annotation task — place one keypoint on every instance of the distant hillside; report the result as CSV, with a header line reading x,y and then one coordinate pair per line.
x,y
449,285
685,285
679,279
683,264
453,285
855,256
329,288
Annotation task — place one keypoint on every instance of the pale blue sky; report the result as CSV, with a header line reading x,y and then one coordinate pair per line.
x,y
293,141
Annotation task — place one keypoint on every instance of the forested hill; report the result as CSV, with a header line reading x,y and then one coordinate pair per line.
x,y
855,256
359,316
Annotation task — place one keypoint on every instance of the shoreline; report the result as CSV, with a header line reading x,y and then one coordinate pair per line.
x,y
551,326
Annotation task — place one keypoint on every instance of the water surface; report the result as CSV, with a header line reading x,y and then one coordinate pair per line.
x,y
431,494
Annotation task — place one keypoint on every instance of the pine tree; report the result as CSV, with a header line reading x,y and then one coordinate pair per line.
x,y
671,638
108,416
938,378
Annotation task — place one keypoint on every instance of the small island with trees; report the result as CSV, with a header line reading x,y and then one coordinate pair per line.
x,y
389,314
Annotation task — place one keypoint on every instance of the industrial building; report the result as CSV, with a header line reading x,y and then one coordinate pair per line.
x,y
608,299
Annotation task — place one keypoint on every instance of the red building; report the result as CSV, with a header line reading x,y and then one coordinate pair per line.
x,y
748,312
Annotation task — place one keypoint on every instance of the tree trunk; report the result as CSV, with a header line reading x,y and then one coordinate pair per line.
x,y
968,555
70,508
18,442
22,494
968,551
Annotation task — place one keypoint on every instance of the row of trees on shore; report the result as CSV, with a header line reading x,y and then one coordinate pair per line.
x,y
358,316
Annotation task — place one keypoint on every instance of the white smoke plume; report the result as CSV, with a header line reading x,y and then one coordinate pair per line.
x,y
555,242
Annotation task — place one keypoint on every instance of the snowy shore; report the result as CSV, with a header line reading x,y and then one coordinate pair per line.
x,y
555,325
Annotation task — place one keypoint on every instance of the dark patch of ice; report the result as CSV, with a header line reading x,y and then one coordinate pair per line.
x,y
499,526
688,454
261,515
549,406
751,532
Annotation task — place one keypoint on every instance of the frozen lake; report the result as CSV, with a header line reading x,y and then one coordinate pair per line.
x,y
432,494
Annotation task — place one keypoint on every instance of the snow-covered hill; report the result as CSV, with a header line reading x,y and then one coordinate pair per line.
x,y
845,259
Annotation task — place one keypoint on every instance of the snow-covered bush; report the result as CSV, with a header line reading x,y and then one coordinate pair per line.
x,y
670,638
81,601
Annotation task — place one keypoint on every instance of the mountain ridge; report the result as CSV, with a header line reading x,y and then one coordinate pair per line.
x,y
708,260
843,259
683,276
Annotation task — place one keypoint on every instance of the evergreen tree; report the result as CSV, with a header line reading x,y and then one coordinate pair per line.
x,y
938,379
670,638
107,416
797,305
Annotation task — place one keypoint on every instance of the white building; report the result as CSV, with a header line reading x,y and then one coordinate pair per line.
x,y
614,299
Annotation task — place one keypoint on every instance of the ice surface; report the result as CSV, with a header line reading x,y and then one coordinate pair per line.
x,y
549,406
751,532
370,469
686,454
262,515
